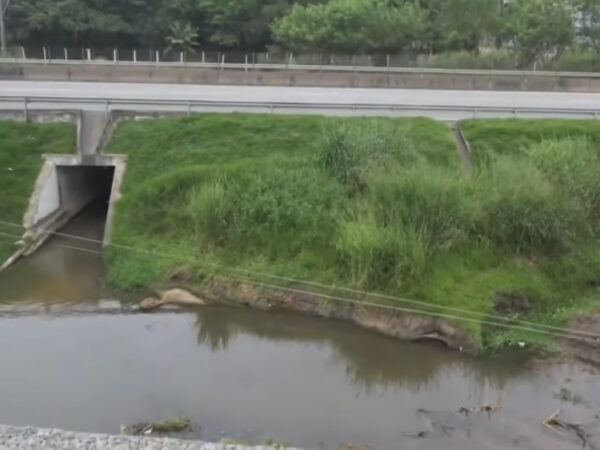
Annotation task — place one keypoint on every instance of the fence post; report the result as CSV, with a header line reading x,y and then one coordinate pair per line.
x,y
115,57
291,58
246,62
157,57
134,55
89,54
222,61
45,54
181,57
66,54
387,58
202,56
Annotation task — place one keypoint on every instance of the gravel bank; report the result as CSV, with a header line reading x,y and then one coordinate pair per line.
x,y
31,438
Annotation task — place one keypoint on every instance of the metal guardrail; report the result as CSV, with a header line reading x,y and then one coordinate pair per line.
x,y
306,67
115,104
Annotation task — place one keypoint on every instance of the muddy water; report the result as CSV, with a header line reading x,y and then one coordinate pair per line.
x,y
249,375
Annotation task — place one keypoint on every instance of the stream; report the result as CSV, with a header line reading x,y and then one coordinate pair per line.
x,y
249,375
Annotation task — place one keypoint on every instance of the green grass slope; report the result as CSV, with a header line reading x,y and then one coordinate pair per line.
x,y
21,149
375,204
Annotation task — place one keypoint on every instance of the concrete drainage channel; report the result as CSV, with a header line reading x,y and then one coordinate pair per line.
x,y
68,183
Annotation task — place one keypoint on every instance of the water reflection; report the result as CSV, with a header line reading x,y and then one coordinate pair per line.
x,y
370,360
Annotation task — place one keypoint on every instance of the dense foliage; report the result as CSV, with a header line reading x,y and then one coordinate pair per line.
x,y
371,203
531,31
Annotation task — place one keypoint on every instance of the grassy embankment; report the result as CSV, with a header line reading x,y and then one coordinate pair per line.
x,y
21,149
375,204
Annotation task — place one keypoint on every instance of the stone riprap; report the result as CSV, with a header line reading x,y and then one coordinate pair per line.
x,y
31,438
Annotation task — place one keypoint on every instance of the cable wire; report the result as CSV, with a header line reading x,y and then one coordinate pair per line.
x,y
485,316
558,331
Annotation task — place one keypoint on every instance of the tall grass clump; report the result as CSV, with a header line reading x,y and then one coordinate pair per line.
x,y
380,257
209,210
426,199
522,210
348,150
573,166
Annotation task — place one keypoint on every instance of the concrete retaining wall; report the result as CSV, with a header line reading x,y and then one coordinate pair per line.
x,y
290,77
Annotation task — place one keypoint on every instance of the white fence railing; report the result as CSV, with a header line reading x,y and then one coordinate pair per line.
x,y
288,64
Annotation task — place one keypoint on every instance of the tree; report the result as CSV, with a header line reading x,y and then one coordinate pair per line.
x,y
183,37
3,8
465,23
350,26
539,28
588,19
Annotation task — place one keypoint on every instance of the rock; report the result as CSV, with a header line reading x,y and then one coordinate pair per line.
x,y
171,297
181,297
149,304
513,302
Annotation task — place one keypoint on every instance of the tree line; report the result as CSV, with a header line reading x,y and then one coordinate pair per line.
x,y
530,29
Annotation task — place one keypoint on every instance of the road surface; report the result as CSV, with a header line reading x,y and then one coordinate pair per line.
x,y
310,99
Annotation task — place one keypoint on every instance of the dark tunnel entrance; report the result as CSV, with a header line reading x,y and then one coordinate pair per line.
x,y
86,191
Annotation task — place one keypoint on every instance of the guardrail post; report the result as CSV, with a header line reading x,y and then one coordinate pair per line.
x,y
89,54
115,57
66,54
45,54
202,56
107,107
23,52
134,55
222,61
291,58
596,115
25,112
387,61
189,109
246,62
157,57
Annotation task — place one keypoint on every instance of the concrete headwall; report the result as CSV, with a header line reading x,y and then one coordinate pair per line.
x,y
293,77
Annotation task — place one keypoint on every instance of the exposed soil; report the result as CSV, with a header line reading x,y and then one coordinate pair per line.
x,y
588,349
391,323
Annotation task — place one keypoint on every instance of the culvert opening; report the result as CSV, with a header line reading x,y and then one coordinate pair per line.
x,y
86,190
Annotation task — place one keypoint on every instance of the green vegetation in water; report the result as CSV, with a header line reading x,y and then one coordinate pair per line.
x,y
375,204
174,425
21,149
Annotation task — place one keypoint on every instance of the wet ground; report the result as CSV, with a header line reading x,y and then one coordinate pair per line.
x,y
251,375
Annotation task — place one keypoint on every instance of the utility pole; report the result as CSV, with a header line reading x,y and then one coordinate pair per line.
x,y
3,7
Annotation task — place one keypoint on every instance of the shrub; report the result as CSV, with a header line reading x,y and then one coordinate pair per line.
x,y
573,166
522,210
350,150
489,59
376,256
578,60
424,199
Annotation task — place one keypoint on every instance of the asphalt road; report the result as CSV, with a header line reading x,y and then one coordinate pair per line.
x,y
414,98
